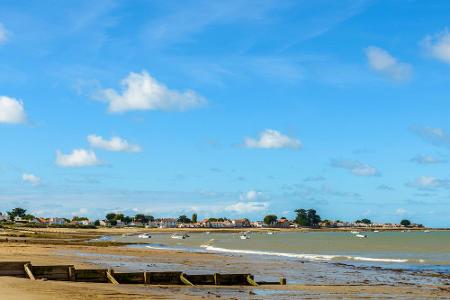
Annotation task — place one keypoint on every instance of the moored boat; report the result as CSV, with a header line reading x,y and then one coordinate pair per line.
x,y
144,236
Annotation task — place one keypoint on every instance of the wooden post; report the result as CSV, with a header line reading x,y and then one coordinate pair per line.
x,y
110,275
72,273
185,280
147,277
29,271
217,278
251,281
282,281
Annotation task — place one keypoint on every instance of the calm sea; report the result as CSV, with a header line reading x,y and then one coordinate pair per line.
x,y
416,250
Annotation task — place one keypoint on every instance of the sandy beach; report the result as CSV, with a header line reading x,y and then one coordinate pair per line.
x,y
45,251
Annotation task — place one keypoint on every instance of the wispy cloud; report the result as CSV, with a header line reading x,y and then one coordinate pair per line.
x,y
429,183
78,158
384,63
11,110
427,160
143,92
438,45
31,178
385,187
272,139
247,207
3,34
114,144
355,167
434,135
314,179
252,195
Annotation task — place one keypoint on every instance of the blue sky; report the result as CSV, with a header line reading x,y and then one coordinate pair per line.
x,y
226,108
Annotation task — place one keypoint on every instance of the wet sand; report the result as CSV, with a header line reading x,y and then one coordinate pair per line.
x,y
121,257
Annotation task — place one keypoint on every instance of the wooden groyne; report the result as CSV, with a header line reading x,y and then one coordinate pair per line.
x,y
69,273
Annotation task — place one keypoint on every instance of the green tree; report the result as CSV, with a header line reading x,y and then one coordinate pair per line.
x,y
77,219
126,219
97,223
270,219
405,223
119,217
302,217
28,217
366,221
313,218
110,216
183,219
194,218
16,212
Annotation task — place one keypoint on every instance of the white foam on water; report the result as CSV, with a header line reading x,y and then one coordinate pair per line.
x,y
314,257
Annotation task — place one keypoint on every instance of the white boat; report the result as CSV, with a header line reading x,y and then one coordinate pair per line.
x,y
270,233
144,236
361,236
354,232
179,236
376,231
426,231
244,237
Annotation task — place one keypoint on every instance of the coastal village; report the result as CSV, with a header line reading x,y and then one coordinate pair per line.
x,y
18,216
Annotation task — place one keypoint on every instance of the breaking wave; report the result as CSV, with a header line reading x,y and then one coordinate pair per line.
x,y
313,257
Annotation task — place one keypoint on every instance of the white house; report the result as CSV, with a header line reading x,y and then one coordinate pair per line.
x,y
56,221
167,223
4,217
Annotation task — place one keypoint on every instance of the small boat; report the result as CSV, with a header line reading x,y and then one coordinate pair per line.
x,y
179,236
270,233
426,231
376,231
144,236
244,237
354,232
207,232
361,236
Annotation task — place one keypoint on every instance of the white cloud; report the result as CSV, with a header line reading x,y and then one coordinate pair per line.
x,y
355,167
11,110
251,196
273,139
381,61
248,207
438,45
31,178
429,182
142,92
114,144
436,136
3,34
78,158
427,160
400,211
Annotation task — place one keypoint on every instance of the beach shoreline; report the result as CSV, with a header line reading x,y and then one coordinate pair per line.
x,y
313,280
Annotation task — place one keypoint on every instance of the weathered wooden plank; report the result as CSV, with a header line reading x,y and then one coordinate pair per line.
x,y
130,277
206,279
57,272
91,275
110,275
163,278
29,272
231,279
185,280
13,268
